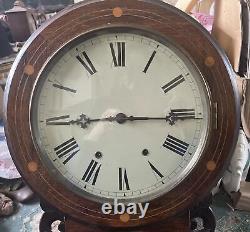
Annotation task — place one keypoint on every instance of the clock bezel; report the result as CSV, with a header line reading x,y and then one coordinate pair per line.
x,y
157,17
57,56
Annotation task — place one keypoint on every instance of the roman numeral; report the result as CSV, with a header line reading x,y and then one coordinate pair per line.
x,y
67,150
155,170
123,180
64,88
87,64
92,172
54,120
172,84
176,145
119,56
183,113
149,62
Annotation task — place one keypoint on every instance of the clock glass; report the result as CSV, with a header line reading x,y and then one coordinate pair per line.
x,y
120,114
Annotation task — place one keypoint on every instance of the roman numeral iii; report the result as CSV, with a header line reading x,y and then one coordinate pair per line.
x,y
123,179
92,172
183,113
118,53
67,150
176,145
172,84
86,63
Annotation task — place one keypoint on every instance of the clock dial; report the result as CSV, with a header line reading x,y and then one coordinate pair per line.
x,y
120,115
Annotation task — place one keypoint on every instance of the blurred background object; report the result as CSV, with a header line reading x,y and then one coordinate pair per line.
x,y
21,21
35,4
5,48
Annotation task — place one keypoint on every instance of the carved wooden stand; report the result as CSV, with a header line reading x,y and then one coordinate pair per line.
x,y
185,222
180,224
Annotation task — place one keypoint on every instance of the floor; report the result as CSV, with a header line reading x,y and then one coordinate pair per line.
x,y
229,220
26,218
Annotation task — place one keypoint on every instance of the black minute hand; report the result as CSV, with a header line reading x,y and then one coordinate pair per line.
x,y
174,115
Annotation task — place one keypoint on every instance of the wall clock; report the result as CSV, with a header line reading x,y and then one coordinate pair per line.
x,y
128,100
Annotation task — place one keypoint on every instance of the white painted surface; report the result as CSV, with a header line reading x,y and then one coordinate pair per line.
x,y
112,90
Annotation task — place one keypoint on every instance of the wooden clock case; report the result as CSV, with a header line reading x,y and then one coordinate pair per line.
x,y
161,20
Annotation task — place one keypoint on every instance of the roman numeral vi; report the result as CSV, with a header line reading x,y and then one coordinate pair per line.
x,y
123,180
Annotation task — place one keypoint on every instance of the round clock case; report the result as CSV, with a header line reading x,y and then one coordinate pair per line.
x,y
161,26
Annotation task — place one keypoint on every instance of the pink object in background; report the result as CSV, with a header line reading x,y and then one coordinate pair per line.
x,y
204,19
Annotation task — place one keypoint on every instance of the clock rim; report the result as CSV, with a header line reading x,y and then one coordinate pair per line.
x,y
76,42
16,126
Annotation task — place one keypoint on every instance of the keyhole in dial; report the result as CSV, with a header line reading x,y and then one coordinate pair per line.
x,y
145,152
98,155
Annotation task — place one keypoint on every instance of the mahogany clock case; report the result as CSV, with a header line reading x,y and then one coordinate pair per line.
x,y
162,21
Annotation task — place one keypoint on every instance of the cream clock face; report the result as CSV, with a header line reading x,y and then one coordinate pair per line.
x,y
120,115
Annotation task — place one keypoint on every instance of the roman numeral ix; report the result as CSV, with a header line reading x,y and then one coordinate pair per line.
x,y
123,180
86,63
92,172
57,120
118,56
176,145
172,84
67,150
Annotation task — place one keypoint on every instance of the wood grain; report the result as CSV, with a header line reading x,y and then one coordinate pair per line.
x,y
180,223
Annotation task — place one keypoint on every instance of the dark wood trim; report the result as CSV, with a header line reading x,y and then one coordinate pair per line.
x,y
180,223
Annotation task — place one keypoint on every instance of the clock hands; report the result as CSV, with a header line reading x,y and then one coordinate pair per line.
x,y
83,121
174,115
